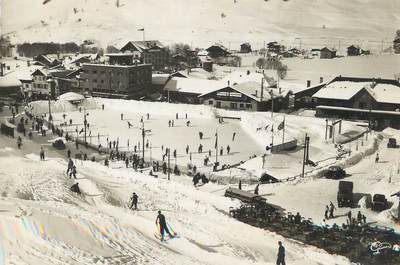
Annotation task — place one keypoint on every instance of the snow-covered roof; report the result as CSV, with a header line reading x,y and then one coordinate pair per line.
x,y
253,90
386,93
9,81
192,85
238,77
71,96
343,90
159,79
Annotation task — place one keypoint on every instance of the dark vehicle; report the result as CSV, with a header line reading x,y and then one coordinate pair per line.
x,y
335,172
392,143
379,202
59,144
267,178
345,194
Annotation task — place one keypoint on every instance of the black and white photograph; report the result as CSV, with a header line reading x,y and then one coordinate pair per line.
x,y
200,132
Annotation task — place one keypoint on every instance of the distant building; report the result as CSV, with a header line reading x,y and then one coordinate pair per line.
x,y
327,53
275,47
10,87
360,98
206,63
67,81
315,52
148,52
396,45
47,60
119,81
353,50
245,48
244,96
217,50
43,84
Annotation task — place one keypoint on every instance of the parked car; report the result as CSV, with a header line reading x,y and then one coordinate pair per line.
x,y
59,144
345,194
379,202
392,143
335,172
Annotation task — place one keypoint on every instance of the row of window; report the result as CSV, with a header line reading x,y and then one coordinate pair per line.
x,y
41,86
232,105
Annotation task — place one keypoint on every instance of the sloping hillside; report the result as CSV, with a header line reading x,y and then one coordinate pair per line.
x,y
202,21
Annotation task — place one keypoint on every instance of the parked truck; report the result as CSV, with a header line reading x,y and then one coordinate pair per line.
x,y
345,194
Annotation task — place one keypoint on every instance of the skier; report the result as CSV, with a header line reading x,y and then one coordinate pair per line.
x,y
201,135
75,188
127,162
129,125
331,209
172,123
148,116
256,189
228,149
134,201
326,212
163,225
169,123
41,153
281,254
176,116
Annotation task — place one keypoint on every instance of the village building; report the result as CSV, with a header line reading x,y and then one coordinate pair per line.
x,y
327,53
117,81
354,50
360,98
217,50
245,48
249,96
188,90
10,87
275,47
148,52
43,85
48,60
67,81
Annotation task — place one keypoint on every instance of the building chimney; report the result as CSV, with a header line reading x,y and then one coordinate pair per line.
x,y
308,83
321,79
228,83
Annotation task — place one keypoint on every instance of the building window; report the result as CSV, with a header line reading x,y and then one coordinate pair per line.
x,y
233,105
248,106
210,102
218,104
241,105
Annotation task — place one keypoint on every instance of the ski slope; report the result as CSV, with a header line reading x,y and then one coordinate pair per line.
x,y
42,222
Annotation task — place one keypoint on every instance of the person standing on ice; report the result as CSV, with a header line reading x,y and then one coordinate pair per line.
x,y
187,149
163,225
41,153
134,201
122,116
281,254
70,165
377,158
19,142
69,153
233,136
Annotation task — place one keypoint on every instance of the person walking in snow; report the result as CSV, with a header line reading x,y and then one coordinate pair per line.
x,y
377,158
127,162
70,165
134,201
228,149
331,209
281,254
19,142
73,172
41,153
163,225
326,212
201,135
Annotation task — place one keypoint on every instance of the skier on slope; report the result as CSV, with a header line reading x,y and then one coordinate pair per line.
x,y
134,201
163,225
75,188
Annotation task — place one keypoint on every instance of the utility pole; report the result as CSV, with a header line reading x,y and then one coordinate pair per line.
x,y
305,155
216,146
283,130
84,123
50,117
169,177
143,135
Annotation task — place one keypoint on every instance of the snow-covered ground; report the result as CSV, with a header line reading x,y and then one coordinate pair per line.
x,y
42,222
253,133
